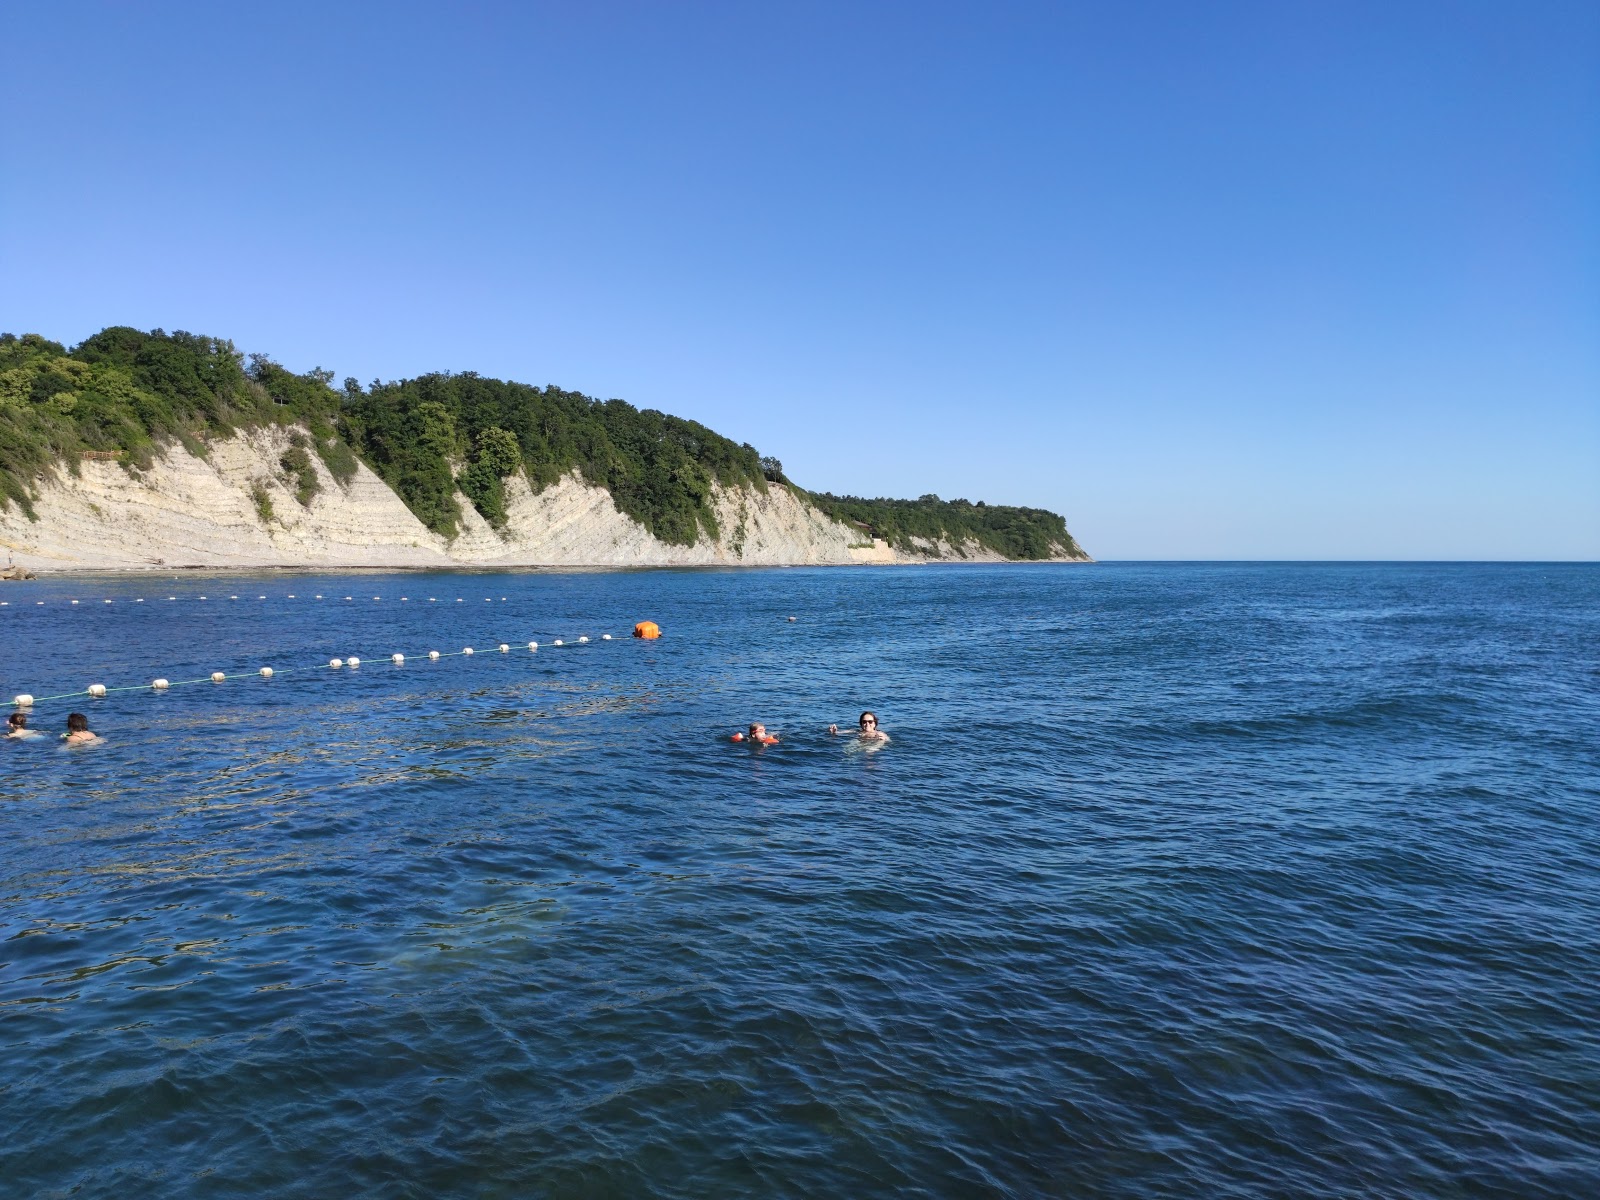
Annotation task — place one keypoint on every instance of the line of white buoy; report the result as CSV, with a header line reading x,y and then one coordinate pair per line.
x,y
288,596
99,691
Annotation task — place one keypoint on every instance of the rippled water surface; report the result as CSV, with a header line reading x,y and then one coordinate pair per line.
x,y
1220,880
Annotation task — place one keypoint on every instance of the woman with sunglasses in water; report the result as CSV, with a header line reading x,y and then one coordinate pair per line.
x,y
867,730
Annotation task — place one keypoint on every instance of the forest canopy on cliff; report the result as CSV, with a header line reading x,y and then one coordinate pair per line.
x,y
125,393
1025,533
659,469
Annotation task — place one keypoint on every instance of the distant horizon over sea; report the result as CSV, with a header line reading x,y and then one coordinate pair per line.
x,y
1175,879
91,573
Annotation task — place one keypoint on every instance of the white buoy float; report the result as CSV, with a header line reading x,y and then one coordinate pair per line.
x,y
504,649
466,649
397,659
605,637
22,700
140,600
291,595
558,642
266,672
433,654
233,597
97,690
583,639
217,677
202,597
74,602
319,596
352,661
110,601
533,645
160,685
336,663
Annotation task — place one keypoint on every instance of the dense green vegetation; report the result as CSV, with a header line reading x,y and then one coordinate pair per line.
x,y
658,469
124,392
127,391
1028,533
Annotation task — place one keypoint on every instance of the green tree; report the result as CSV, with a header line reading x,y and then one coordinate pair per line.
x,y
496,456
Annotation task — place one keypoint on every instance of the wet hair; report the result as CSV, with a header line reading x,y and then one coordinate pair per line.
x,y
77,723
862,719
19,720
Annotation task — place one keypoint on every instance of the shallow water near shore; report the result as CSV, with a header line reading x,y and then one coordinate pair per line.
x,y
1176,880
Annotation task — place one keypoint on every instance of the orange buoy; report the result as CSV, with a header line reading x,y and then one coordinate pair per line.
x,y
738,737
647,629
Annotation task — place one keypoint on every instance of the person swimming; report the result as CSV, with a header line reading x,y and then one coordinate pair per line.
x,y
758,735
77,733
18,722
866,729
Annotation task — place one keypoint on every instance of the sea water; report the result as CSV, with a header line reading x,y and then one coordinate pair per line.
x,y
1174,880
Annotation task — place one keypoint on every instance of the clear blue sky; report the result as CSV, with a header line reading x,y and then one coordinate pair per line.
x,y
1233,280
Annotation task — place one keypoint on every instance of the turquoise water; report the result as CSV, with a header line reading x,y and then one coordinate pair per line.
x,y
1176,880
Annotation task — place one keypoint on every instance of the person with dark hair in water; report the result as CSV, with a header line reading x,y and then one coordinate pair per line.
x,y
866,729
19,727
77,733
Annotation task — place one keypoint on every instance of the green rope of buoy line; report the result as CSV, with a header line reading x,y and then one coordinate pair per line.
x,y
231,598
98,691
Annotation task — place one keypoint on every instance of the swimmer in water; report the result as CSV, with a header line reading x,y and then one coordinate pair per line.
x,y
77,733
19,727
867,729
758,735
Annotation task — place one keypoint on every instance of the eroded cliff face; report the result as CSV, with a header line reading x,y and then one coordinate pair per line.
x,y
235,508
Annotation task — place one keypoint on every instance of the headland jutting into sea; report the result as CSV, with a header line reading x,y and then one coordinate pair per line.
x,y
151,451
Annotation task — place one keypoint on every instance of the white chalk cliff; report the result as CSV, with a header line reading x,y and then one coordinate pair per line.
x,y
188,511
